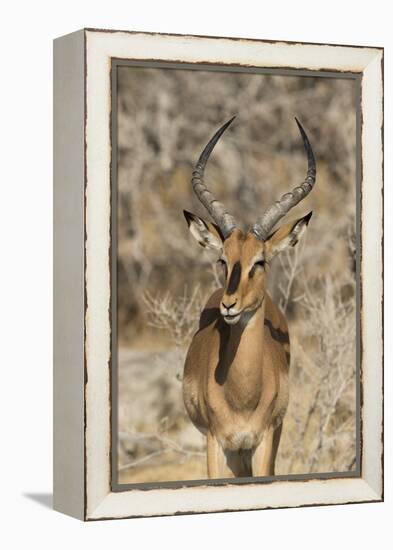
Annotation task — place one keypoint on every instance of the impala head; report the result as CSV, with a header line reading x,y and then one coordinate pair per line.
x,y
246,256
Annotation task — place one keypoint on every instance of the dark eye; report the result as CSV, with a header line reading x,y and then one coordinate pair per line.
x,y
223,264
261,263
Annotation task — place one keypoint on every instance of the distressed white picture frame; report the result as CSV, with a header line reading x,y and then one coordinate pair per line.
x,y
82,336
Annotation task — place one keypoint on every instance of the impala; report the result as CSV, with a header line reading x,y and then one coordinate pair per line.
x,y
235,383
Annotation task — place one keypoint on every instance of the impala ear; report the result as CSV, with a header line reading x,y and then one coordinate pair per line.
x,y
286,235
207,234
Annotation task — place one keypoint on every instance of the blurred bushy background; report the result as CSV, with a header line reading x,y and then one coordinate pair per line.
x,y
165,117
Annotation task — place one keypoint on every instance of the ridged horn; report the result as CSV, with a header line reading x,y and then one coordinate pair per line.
x,y
217,211
281,207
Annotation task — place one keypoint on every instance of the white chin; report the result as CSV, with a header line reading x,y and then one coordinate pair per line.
x,y
232,320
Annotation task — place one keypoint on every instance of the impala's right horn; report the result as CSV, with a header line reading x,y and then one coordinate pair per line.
x,y
217,211
281,207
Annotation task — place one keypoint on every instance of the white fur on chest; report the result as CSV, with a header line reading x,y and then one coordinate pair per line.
x,y
239,440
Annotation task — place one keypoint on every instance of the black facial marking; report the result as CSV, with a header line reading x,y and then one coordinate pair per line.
x,y
234,279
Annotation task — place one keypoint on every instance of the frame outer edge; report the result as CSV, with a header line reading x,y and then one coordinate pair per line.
x,y
102,503
68,293
372,274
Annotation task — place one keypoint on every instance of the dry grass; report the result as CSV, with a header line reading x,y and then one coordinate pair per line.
x,y
164,278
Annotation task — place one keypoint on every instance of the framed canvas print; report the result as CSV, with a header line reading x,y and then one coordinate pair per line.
x,y
218,274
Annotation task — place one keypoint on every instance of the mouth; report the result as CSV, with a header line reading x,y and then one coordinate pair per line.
x,y
232,319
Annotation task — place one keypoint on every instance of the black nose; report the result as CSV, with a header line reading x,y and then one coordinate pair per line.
x,y
229,307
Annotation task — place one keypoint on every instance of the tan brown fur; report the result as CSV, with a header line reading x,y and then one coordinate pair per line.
x,y
235,381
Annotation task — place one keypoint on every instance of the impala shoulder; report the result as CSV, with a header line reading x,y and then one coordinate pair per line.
x,y
211,311
215,299
276,322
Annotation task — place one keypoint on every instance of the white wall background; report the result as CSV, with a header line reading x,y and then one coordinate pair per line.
x,y
26,305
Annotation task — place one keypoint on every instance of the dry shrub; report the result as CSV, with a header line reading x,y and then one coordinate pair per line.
x,y
164,120
319,432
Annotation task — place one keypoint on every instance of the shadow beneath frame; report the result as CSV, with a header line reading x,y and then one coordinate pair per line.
x,y
45,499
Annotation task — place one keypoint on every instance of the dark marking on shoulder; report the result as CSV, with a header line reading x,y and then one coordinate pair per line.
x,y
226,354
221,370
277,334
234,279
208,316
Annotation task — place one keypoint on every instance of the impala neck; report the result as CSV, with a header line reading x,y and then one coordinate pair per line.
x,y
248,323
241,354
